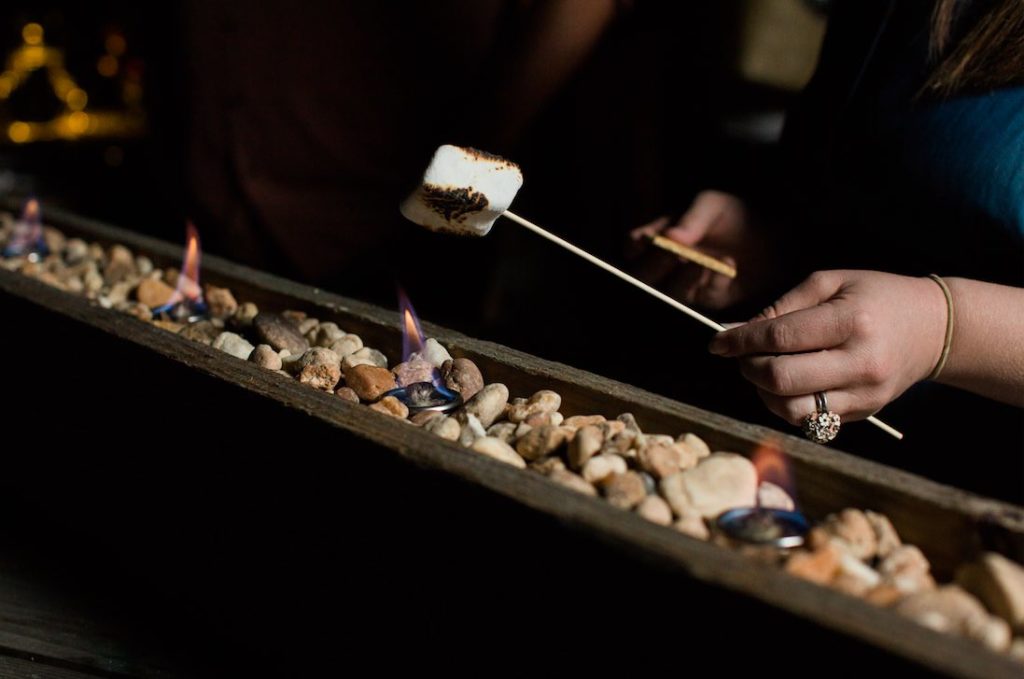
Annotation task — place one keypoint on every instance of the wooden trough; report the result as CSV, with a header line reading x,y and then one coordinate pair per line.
x,y
950,526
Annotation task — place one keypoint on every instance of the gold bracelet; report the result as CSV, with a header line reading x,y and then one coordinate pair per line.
x,y
949,326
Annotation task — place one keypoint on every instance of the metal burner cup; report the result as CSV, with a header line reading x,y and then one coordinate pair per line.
x,y
424,396
762,526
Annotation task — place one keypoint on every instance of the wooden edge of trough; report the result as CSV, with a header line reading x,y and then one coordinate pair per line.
x,y
707,562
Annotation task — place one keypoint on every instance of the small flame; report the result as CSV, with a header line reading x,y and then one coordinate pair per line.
x,y
412,333
27,235
772,465
188,292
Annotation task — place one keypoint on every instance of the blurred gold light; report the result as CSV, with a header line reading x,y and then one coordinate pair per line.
x,y
19,132
32,34
78,122
76,99
107,66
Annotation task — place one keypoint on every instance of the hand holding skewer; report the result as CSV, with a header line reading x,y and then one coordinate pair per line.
x,y
464,191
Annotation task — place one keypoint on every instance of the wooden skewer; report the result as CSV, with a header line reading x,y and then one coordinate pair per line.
x,y
648,289
693,255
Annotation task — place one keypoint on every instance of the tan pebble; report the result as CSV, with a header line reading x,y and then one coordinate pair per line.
x,y
220,302
820,565
575,482
696,444
153,293
445,427
541,441
999,583
601,467
659,459
772,496
655,510
884,595
347,345
886,537
692,525
389,405
506,431
498,450
853,528
369,381
584,445
547,465
347,394
580,421
625,491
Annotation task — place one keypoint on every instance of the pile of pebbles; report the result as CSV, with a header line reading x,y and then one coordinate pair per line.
x,y
674,481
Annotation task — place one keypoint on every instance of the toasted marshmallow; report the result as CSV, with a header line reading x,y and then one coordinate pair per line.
x,y
463,191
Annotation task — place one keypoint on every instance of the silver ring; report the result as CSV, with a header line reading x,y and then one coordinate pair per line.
x,y
822,425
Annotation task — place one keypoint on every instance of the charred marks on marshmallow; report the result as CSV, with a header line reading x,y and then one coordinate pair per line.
x,y
463,191
453,203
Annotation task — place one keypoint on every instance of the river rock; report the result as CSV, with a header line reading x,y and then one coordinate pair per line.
x,y
153,293
445,427
772,496
655,510
541,441
345,393
220,302
584,445
506,431
720,482
951,609
692,525
369,381
389,405
434,353
625,491
204,332
245,314
320,368
278,332
462,375
498,450
365,356
696,444
659,459
886,537
852,527
325,334
820,565
544,401
564,477
233,344
347,345
265,357
413,371
488,403
472,429
999,583
601,467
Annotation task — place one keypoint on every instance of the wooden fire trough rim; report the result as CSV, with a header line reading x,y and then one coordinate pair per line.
x,y
704,561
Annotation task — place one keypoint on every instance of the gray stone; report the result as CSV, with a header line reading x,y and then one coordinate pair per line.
x,y
325,335
278,332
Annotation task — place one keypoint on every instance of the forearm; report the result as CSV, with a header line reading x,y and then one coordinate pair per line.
x,y
986,353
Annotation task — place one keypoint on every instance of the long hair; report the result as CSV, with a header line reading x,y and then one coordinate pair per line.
x,y
986,53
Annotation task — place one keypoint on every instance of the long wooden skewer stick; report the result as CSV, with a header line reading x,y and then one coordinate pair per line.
x,y
649,290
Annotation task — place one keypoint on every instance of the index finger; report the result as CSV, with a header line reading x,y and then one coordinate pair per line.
x,y
820,327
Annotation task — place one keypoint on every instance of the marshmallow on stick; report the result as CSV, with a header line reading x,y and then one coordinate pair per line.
x,y
465,190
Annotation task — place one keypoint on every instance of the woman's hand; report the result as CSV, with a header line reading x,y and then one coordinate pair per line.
x,y
717,223
863,337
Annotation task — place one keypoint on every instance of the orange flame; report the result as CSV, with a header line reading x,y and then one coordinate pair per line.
x,y
412,333
188,279
772,465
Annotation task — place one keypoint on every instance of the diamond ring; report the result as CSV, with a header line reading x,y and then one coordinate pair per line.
x,y
822,425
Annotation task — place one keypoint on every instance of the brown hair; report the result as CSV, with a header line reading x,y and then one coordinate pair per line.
x,y
990,54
